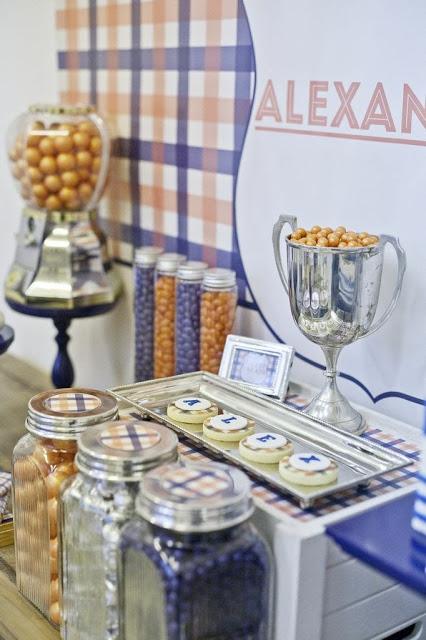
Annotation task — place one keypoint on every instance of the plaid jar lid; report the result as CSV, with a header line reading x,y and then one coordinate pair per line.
x,y
63,414
195,497
125,450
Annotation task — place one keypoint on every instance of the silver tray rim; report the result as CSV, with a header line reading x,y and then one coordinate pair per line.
x,y
399,460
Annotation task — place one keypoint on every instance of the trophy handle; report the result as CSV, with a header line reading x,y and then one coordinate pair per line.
x,y
276,235
402,263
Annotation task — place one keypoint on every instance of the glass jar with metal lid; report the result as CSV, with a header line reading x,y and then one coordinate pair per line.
x,y
164,325
42,460
111,461
202,568
144,279
218,305
188,291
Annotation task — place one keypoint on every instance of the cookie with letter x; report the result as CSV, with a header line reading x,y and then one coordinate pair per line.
x,y
192,410
309,469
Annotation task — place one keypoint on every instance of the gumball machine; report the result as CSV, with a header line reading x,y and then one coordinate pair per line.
x,y
59,160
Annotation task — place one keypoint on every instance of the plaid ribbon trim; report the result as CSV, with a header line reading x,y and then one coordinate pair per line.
x,y
64,402
175,80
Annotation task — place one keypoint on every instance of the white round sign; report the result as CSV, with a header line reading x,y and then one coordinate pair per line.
x,y
193,404
308,461
228,422
266,440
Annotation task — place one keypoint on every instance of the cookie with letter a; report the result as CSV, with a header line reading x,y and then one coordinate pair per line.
x,y
192,410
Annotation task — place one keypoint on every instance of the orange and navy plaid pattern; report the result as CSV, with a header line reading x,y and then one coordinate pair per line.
x,y
191,484
175,80
129,436
5,487
65,402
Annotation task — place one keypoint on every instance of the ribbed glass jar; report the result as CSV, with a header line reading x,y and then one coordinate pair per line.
x,y
218,305
42,460
143,306
165,314
94,507
188,292
193,566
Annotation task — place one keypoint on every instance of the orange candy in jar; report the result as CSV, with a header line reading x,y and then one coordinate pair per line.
x,y
59,157
165,313
42,461
218,305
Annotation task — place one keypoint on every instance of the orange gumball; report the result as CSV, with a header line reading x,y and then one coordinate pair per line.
x,y
53,183
53,203
48,165
96,145
84,159
81,140
70,178
47,146
63,143
66,161
35,175
85,191
67,194
32,156
40,191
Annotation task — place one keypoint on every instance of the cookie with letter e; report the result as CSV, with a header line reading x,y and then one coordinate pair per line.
x,y
191,410
228,427
267,447
309,469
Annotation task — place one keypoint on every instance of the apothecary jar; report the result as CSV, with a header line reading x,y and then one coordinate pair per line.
x,y
193,566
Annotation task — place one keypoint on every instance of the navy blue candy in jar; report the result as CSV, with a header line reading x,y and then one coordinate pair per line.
x,y
144,279
188,291
193,567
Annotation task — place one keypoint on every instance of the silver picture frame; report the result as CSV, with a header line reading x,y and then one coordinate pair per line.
x,y
258,365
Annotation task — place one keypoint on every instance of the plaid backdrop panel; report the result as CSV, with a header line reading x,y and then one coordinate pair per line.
x,y
175,80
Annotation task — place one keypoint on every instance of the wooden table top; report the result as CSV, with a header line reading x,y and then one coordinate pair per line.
x,y
19,620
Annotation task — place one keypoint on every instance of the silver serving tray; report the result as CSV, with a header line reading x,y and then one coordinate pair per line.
x,y
359,461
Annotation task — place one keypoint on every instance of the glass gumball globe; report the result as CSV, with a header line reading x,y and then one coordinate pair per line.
x,y
59,157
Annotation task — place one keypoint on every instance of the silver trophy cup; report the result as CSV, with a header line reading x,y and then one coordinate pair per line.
x,y
333,297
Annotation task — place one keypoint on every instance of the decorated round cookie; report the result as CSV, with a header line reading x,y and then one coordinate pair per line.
x,y
228,427
265,447
309,469
192,410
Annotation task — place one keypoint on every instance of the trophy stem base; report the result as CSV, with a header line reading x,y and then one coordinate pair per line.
x,y
330,405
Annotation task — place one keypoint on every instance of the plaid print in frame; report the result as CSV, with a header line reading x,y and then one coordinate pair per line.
x,y
175,80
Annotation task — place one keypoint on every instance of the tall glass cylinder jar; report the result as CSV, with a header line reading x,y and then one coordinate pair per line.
x,y
188,292
203,569
165,303
144,280
111,461
218,305
42,460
